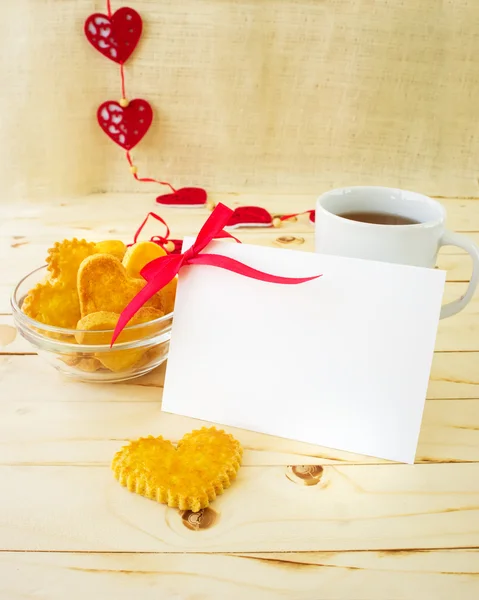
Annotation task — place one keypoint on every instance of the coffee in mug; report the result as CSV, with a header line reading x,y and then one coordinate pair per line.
x,y
389,225
378,218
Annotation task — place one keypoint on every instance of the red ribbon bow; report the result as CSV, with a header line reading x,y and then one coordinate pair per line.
x,y
161,271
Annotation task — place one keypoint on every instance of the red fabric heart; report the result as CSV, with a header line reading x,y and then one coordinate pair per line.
x,y
190,196
114,37
250,216
125,126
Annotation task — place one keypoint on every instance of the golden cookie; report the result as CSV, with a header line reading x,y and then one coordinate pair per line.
x,y
138,256
64,259
83,362
103,285
70,358
113,247
188,477
53,303
88,364
168,295
104,322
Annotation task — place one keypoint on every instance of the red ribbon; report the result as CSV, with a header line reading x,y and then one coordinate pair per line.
x,y
160,240
161,271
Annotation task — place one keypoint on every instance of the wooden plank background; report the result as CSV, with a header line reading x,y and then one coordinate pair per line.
x,y
391,575
368,530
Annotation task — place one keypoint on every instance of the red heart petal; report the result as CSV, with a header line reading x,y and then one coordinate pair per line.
x,y
250,216
190,196
114,37
125,126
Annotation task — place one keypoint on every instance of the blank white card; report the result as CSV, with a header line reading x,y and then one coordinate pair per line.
x,y
342,361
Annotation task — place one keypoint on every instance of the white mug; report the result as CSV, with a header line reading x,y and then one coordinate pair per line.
x,y
416,244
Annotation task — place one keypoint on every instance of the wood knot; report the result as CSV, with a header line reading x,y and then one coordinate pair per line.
x,y
203,519
305,474
7,335
285,240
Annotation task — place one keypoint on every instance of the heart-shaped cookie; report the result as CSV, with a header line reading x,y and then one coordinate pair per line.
x,y
100,326
104,285
64,259
187,477
115,247
138,256
53,303
114,37
127,125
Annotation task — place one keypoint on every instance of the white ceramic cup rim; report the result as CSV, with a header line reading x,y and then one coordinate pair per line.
x,y
428,212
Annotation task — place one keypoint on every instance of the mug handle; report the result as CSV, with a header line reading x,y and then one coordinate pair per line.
x,y
461,241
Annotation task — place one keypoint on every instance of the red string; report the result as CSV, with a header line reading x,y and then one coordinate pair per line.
x,y
123,95
161,271
122,75
147,179
286,217
163,240
156,238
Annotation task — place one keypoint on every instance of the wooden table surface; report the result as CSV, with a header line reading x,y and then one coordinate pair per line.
x,y
365,529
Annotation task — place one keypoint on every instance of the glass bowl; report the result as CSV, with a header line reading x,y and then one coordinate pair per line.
x,y
86,355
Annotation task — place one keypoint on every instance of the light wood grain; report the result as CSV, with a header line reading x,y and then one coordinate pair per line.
x,y
112,214
11,342
356,534
435,575
85,432
453,375
460,332
30,252
352,508
97,216
457,333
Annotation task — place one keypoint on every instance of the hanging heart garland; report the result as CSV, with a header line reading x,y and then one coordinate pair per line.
x,y
126,126
116,35
243,216
185,197
256,216
250,216
171,246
